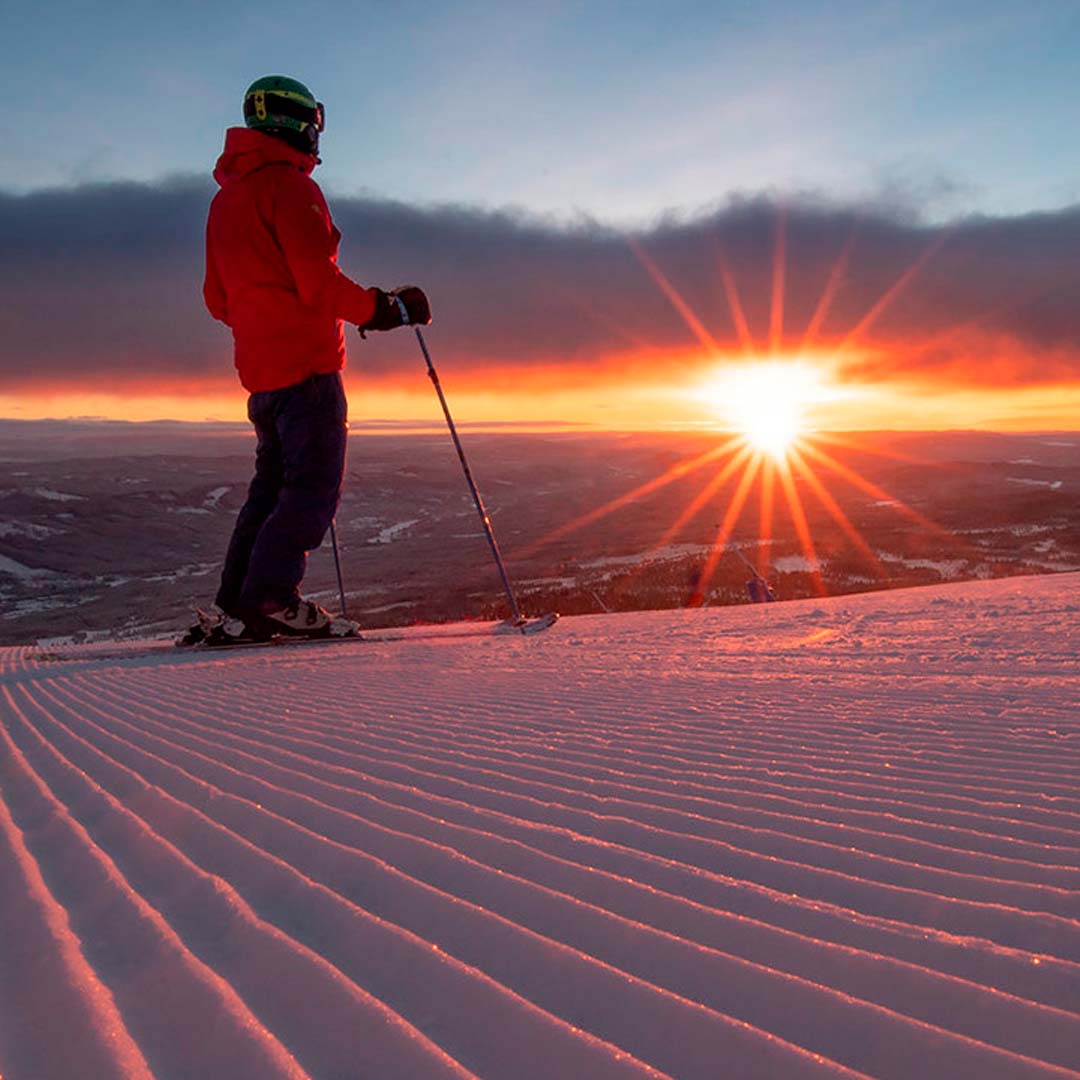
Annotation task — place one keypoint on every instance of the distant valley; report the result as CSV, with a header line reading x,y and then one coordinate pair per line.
x,y
118,529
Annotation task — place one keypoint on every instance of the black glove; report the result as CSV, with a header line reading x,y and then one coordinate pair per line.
x,y
415,302
404,306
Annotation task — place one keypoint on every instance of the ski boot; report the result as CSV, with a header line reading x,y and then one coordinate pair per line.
x,y
303,619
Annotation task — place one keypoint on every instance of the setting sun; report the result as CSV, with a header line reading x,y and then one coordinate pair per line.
x,y
768,401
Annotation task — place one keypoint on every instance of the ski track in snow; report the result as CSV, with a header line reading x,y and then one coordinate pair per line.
x,y
826,838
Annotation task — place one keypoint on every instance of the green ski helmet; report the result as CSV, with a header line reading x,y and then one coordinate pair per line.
x,y
285,108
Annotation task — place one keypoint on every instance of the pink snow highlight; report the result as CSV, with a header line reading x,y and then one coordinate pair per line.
x,y
827,838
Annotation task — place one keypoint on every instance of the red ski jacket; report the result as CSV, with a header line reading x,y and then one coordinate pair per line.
x,y
271,265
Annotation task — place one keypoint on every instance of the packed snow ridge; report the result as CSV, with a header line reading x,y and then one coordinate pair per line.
x,y
830,838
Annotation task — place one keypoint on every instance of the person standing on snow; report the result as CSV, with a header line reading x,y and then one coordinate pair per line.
x,y
272,277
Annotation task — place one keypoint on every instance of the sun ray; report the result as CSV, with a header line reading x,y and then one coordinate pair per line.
x,y
877,492
731,518
697,328
834,511
676,472
829,292
977,322
802,527
710,489
703,496
765,516
886,299
779,273
588,309
738,315
850,442
978,319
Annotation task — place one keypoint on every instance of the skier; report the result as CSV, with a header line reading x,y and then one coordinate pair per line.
x,y
272,277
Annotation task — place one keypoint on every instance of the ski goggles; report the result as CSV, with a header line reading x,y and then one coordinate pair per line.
x,y
264,105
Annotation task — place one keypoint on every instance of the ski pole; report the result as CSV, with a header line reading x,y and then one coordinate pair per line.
x,y
337,565
762,583
484,519
749,565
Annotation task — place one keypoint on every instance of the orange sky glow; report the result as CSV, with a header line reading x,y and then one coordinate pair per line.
x,y
775,366
649,392
871,323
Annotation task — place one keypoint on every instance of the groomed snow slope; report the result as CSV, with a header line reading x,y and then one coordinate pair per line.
x,y
826,838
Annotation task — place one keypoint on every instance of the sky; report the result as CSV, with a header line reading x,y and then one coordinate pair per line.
x,y
609,203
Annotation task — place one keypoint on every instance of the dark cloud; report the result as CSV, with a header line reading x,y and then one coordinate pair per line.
x,y
100,288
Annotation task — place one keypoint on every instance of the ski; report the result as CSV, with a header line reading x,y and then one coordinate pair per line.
x,y
277,641
113,650
507,627
526,625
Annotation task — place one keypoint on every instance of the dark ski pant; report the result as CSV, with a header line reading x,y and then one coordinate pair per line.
x,y
299,465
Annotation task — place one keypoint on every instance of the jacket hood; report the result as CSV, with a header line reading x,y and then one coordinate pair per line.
x,y
247,150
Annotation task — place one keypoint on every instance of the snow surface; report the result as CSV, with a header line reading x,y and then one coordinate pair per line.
x,y
58,496
392,532
788,564
19,570
213,499
1054,485
28,529
668,553
945,567
826,838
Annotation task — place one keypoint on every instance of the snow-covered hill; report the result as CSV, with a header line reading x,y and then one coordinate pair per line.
x,y
825,838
